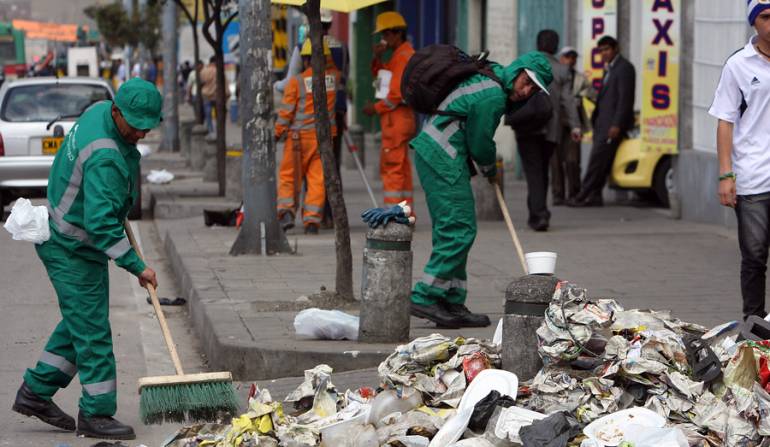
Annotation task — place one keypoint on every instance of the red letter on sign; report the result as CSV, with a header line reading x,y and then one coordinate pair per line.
x,y
597,27
597,4
663,4
662,31
661,96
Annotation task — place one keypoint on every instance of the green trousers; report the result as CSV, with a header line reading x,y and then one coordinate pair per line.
x,y
82,341
453,223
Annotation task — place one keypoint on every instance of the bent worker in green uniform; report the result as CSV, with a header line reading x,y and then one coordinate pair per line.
x,y
91,188
444,149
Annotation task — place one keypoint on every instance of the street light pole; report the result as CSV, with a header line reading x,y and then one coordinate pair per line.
x,y
170,140
259,232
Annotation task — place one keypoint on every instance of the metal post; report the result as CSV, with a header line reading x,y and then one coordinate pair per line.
x,y
258,162
526,300
170,88
386,285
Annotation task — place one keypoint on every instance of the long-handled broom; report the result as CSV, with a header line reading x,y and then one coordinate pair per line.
x,y
183,397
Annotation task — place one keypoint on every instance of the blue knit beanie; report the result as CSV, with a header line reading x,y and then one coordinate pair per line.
x,y
755,7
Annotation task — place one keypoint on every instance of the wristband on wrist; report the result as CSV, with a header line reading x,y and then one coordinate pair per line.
x,y
727,175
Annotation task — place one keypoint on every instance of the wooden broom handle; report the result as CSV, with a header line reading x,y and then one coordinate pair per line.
x,y
158,310
511,229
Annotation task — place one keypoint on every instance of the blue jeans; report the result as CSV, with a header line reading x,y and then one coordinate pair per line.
x,y
753,212
207,107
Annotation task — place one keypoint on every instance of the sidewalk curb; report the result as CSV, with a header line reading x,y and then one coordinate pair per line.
x,y
226,340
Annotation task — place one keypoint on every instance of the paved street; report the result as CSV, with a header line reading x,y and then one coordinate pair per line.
x,y
29,315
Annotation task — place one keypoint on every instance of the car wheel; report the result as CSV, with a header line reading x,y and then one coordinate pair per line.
x,y
663,181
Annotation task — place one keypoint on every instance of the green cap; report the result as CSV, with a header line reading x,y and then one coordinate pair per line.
x,y
140,103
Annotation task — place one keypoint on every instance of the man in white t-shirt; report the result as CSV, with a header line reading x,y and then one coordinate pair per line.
x,y
742,106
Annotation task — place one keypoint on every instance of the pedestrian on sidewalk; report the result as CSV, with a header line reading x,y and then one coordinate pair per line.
x,y
742,106
612,118
397,120
90,191
209,91
536,148
445,151
565,162
301,159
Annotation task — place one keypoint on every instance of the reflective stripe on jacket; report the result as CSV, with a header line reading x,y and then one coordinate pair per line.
x,y
297,112
91,190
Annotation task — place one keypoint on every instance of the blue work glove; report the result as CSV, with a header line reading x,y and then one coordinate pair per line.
x,y
381,216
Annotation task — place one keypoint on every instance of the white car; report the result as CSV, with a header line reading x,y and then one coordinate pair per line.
x,y
35,115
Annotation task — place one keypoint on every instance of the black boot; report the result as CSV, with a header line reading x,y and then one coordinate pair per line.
x,y
104,427
466,317
436,314
30,404
286,221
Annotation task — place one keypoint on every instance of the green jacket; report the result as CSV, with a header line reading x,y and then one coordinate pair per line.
x,y
91,189
446,142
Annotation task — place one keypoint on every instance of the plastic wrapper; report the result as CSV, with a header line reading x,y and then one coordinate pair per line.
x,y
28,223
474,364
326,325
159,176
486,407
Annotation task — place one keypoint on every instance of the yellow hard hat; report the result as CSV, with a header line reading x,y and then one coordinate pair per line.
x,y
389,20
307,48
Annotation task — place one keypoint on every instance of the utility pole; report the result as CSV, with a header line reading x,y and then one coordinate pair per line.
x,y
170,89
260,233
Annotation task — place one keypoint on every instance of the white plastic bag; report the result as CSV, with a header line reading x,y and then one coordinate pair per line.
x,y
326,325
641,436
159,177
28,223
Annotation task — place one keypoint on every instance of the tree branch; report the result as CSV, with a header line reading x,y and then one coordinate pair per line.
x,y
186,12
230,19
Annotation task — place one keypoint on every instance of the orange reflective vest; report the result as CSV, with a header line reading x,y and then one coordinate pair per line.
x,y
297,112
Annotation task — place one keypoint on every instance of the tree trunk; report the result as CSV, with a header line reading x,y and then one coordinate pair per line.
x,y
344,277
198,100
259,178
170,140
221,108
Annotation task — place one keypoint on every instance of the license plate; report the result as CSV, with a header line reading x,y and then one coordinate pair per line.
x,y
51,145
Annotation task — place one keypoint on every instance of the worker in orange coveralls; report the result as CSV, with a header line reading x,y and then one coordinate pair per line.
x,y
301,159
397,121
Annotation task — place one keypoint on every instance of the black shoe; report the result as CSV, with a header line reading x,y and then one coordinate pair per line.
x,y
287,221
467,318
586,202
539,224
558,201
436,314
311,229
104,427
30,404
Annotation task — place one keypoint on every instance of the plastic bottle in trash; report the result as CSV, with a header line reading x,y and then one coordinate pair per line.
x,y
388,402
367,437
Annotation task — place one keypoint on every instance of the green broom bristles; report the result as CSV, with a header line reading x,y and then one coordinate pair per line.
x,y
187,402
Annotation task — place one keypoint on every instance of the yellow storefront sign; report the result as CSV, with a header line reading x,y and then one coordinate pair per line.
x,y
659,120
600,18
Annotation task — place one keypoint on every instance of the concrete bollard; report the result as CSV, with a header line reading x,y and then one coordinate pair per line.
x,y
185,137
356,134
526,300
487,206
210,157
233,185
198,147
386,285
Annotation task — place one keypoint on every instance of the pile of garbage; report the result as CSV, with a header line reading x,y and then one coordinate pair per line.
x,y
610,377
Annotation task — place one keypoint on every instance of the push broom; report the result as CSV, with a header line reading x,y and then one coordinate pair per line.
x,y
182,397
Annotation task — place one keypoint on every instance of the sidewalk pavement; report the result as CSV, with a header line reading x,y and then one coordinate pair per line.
x,y
243,307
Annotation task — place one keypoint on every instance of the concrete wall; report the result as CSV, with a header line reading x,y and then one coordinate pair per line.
x,y
502,43
717,32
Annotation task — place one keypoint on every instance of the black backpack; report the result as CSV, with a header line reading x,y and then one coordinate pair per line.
x,y
434,71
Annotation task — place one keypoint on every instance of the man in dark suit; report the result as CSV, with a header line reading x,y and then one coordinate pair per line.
x,y
612,119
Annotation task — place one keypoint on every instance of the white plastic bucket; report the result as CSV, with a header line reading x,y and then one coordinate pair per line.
x,y
541,262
